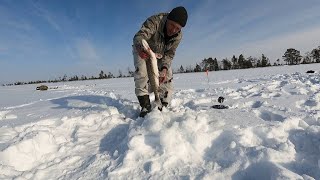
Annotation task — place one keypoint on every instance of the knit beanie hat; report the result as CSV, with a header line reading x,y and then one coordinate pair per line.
x,y
179,15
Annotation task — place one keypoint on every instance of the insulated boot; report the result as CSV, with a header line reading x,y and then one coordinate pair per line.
x,y
164,104
145,105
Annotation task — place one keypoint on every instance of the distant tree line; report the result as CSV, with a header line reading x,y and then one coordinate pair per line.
x,y
210,64
290,57
65,78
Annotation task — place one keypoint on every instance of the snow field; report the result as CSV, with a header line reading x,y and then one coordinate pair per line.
x,y
270,131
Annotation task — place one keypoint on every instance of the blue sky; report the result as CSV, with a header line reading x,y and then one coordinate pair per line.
x,y
45,39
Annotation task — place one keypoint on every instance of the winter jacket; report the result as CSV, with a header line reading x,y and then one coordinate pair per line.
x,y
152,31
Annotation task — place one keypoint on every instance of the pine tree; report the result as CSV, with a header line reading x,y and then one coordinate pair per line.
x,y
248,62
64,78
120,74
110,75
315,53
204,65
264,61
210,64
307,59
234,61
101,75
215,64
278,61
292,56
189,69
258,63
197,68
241,62
181,70
83,77
226,64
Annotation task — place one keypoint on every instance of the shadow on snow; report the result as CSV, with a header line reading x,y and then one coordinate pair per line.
x,y
97,103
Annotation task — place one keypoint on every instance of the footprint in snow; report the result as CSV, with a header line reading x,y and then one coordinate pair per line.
x,y
5,115
250,104
256,104
310,104
269,116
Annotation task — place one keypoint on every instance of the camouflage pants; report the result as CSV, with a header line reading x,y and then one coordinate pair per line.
x,y
141,80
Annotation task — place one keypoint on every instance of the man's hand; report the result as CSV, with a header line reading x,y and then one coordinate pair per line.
x,y
142,53
162,76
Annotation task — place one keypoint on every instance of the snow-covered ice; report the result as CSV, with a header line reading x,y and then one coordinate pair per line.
x,y
91,129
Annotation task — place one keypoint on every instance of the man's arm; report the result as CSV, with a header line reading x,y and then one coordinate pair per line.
x,y
168,57
169,53
149,27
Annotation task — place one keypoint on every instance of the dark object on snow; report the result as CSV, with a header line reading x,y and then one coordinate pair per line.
x,y
42,88
220,99
310,71
220,106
